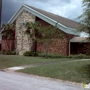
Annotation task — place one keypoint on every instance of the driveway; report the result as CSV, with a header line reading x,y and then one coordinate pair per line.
x,y
18,81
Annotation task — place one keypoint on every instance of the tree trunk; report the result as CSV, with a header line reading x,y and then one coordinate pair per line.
x,y
46,47
6,46
10,45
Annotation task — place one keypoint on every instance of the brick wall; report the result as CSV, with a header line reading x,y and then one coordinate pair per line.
x,y
7,45
60,46
55,47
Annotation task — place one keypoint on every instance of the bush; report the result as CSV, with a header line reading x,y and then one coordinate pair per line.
x,y
79,56
3,52
8,52
51,55
30,53
27,53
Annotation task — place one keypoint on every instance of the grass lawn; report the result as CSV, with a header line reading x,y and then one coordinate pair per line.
x,y
78,71
16,60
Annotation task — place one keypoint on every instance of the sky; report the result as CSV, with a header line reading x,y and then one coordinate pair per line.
x,y
67,8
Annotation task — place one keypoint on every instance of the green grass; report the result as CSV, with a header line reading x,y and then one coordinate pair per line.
x,y
16,60
71,71
78,71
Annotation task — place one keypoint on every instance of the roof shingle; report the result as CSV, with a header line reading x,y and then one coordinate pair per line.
x,y
59,19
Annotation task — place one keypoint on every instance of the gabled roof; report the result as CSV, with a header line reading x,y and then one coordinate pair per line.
x,y
59,19
64,24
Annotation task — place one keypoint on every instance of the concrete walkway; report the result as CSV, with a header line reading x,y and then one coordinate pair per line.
x,y
18,81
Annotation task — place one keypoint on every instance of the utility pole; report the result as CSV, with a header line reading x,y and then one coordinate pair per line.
x,y
0,12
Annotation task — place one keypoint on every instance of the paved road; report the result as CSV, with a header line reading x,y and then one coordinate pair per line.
x,y
18,81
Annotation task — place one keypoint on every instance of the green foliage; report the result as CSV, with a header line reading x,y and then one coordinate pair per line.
x,y
44,34
49,32
8,30
85,17
3,52
79,56
8,52
30,53
51,55
30,29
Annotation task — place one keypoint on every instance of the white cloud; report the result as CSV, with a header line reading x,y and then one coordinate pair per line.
x,y
71,9
66,8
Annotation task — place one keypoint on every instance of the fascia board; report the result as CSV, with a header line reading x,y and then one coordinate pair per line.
x,y
73,31
69,30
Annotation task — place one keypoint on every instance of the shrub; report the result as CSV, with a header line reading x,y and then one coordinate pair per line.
x,y
30,53
3,52
79,56
8,52
51,55
27,53
13,52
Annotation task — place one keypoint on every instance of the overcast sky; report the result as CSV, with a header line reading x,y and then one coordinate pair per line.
x,y
67,8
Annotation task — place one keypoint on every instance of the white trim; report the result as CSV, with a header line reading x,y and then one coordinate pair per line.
x,y
45,18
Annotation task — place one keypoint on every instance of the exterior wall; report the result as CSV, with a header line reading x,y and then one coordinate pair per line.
x,y
56,47
23,42
7,44
60,46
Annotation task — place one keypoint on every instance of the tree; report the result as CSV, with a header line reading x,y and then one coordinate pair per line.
x,y
85,20
45,34
48,35
8,33
30,31
85,17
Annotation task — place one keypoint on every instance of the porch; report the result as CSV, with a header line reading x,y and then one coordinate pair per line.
x,y
79,45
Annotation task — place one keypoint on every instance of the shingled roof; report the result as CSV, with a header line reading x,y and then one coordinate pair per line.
x,y
59,19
